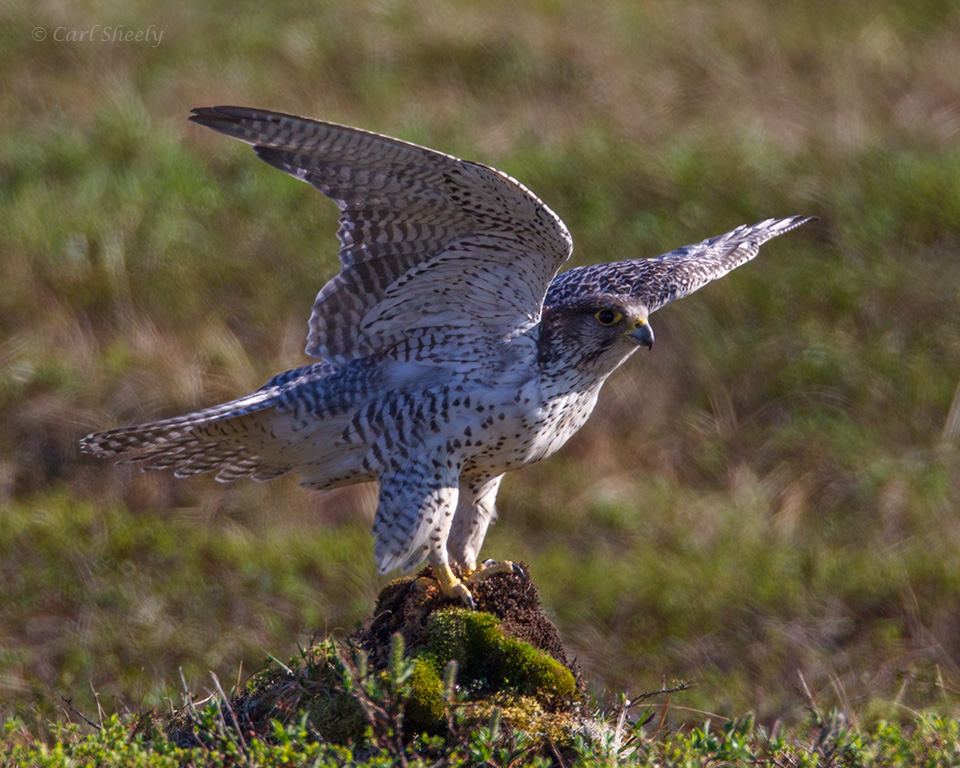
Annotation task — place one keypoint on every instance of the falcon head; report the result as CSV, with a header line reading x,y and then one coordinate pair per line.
x,y
593,334
595,316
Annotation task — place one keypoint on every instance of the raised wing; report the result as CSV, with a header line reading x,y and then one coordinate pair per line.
x,y
429,243
658,281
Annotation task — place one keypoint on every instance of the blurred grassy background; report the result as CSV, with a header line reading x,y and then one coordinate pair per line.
x,y
774,489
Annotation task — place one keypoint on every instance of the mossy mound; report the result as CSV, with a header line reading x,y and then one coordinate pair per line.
x,y
490,661
424,667
513,599
488,664
506,650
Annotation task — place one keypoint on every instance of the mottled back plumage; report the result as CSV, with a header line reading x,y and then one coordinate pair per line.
x,y
450,351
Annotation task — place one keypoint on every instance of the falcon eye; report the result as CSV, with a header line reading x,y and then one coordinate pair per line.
x,y
608,317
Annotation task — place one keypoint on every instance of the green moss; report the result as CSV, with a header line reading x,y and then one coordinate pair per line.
x,y
534,672
338,717
491,661
527,714
312,684
426,706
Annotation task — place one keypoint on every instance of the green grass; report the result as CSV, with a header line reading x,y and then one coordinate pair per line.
x,y
775,489
823,739
331,707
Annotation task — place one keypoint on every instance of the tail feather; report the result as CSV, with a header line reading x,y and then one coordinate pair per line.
x,y
156,433
296,421
214,439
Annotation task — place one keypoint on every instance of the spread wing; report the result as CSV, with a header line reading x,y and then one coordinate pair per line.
x,y
430,244
658,281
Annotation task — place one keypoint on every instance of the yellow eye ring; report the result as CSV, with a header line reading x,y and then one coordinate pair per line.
x,y
608,316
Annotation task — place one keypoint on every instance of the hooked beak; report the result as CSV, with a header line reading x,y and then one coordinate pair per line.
x,y
642,335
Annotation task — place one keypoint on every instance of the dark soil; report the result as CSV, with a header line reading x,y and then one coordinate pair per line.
x,y
404,606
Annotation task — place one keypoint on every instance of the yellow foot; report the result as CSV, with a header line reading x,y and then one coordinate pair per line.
x,y
490,568
456,589
450,585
